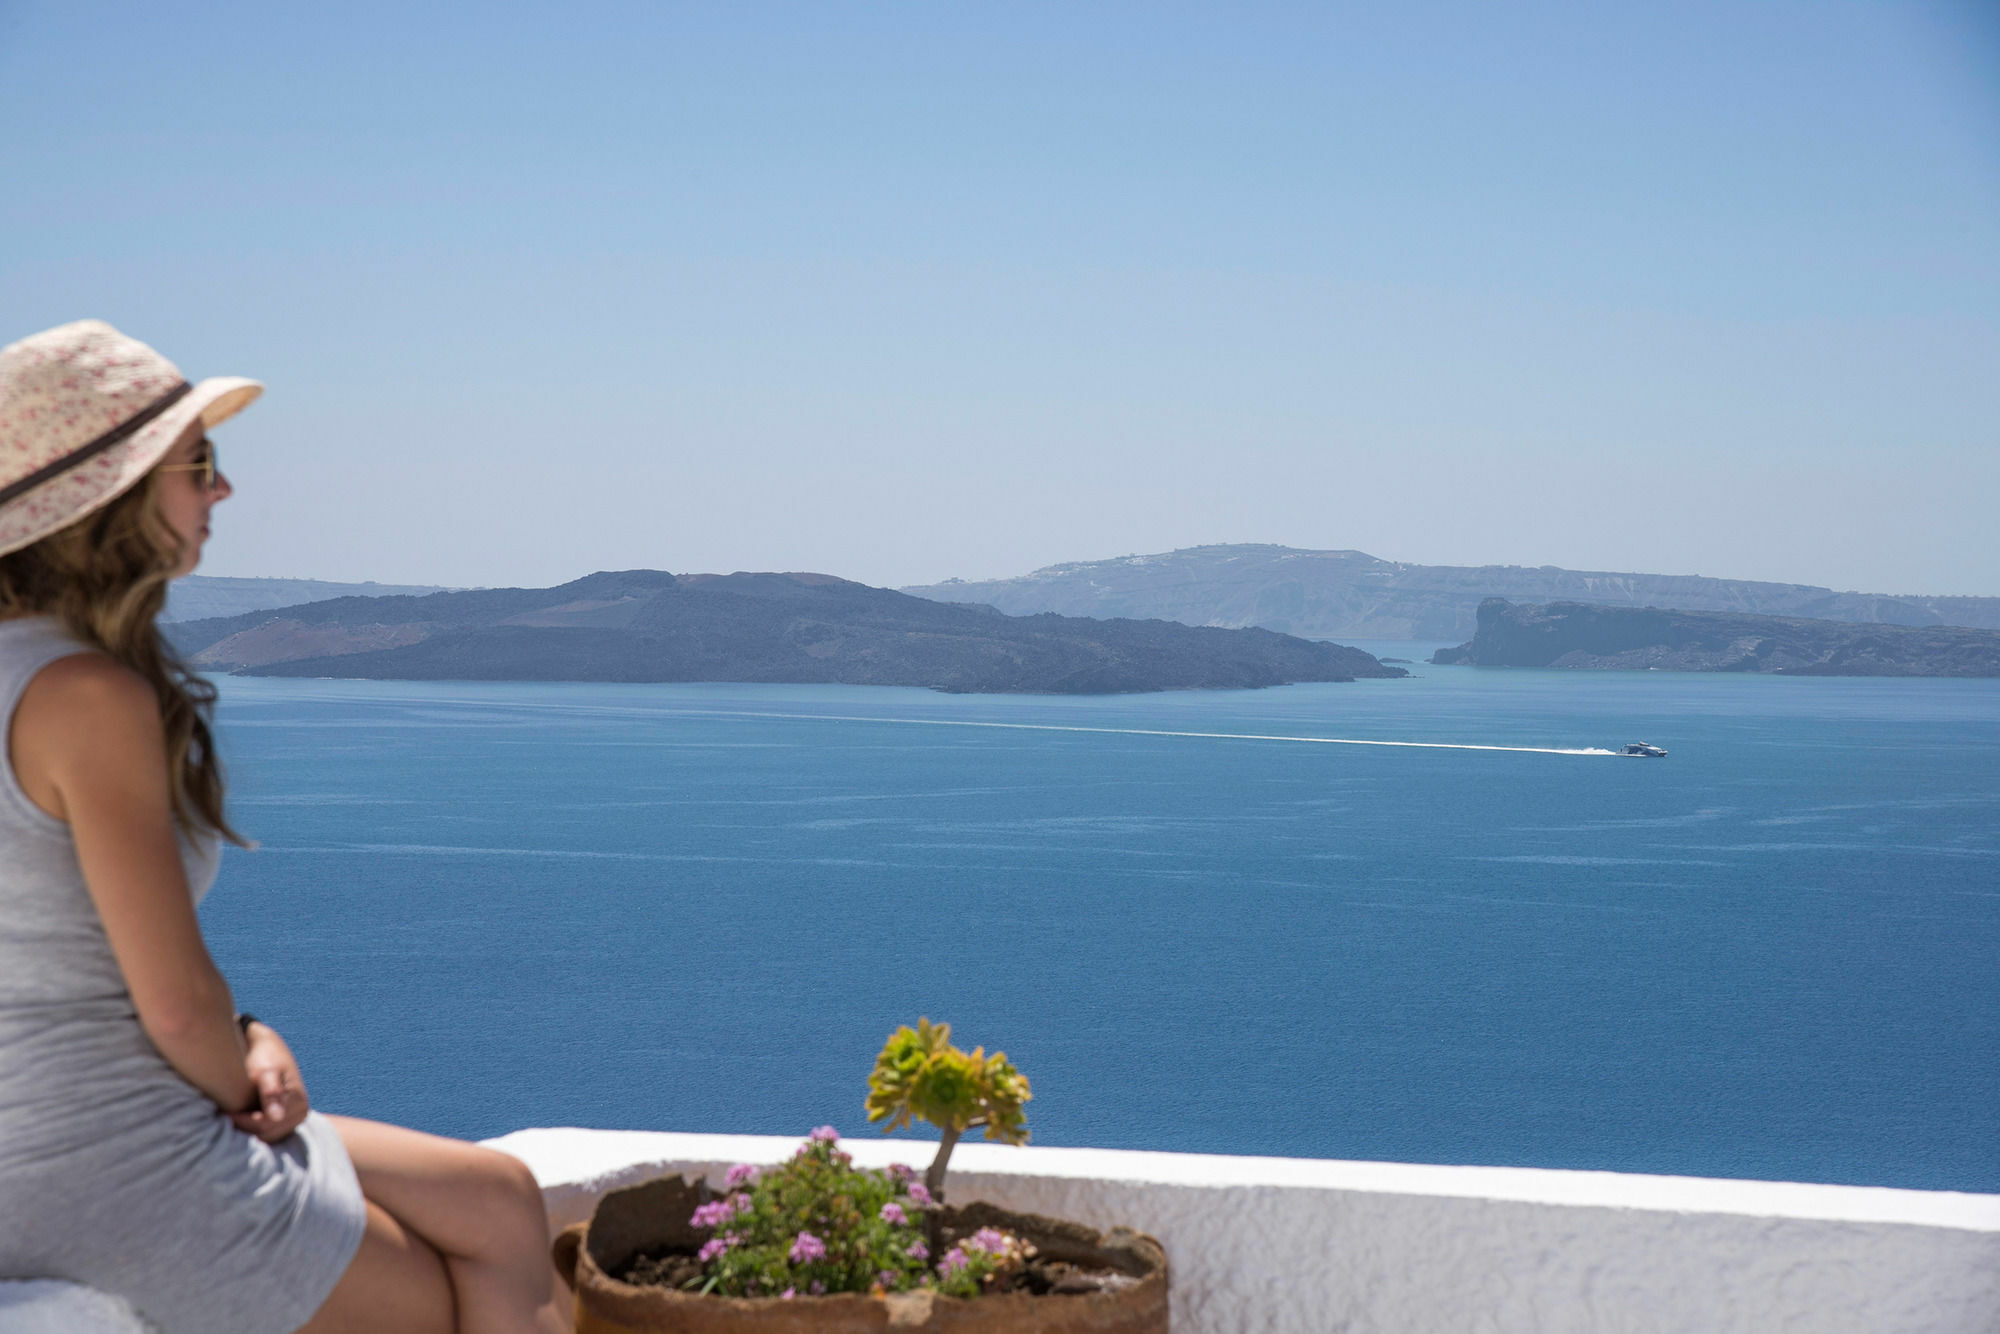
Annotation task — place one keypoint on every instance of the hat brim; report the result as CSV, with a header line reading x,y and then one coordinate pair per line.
x,y
89,487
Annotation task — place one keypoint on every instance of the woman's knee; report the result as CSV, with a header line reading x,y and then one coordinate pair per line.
x,y
516,1189
499,1204
467,1200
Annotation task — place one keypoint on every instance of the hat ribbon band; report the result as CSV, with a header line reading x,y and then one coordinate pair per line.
x,y
125,430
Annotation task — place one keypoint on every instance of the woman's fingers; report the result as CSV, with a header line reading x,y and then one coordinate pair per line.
x,y
271,1092
290,1110
278,1115
281,1091
256,1123
295,1108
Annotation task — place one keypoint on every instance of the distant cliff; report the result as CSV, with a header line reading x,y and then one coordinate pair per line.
x,y
646,625
199,597
1574,634
1352,595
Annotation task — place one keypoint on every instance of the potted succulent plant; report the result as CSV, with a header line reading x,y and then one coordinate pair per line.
x,y
816,1243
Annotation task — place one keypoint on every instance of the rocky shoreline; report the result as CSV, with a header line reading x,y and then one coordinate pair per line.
x,y
1585,635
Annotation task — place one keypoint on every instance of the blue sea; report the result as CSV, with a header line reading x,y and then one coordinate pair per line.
x,y
1773,954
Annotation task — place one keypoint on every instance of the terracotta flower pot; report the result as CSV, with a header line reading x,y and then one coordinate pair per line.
x,y
654,1217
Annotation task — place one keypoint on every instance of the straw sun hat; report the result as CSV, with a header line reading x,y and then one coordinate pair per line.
x,y
84,413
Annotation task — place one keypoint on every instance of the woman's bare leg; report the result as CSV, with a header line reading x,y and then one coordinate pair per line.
x,y
396,1284
478,1209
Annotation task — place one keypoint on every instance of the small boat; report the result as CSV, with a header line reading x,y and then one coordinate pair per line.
x,y
1641,748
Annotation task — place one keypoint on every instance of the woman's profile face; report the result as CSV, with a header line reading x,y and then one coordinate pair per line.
x,y
184,497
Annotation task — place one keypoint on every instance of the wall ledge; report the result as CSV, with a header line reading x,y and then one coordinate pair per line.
x,y
1286,1245
576,1154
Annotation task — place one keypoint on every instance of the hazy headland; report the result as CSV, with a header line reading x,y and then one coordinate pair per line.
x,y
648,625
1352,595
1203,617
1572,634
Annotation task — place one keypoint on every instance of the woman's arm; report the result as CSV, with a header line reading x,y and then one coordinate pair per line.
x,y
88,746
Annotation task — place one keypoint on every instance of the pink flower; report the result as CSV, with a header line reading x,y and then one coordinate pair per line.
x,y
824,1135
818,1289
740,1203
918,1251
887,1278
807,1248
741,1175
715,1246
788,1294
990,1240
920,1192
714,1214
892,1212
954,1260
902,1173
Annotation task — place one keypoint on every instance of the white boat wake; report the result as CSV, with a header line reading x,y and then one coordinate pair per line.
x,y
1150,731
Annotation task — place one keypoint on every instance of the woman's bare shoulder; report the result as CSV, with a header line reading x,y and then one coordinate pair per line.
x,y
83,717
86,685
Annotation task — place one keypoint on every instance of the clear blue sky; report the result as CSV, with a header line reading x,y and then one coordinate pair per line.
x,y
901,292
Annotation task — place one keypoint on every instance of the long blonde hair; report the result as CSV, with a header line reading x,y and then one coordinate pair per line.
x,y
105,578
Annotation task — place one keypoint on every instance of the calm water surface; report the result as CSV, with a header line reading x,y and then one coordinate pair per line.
x,y
1774,954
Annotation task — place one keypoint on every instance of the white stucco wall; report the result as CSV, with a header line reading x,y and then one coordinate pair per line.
x,y
1303,1246
1300,1246
46,1306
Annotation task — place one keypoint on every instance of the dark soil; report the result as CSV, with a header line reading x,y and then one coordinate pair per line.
x,y
1060,1278
663,1269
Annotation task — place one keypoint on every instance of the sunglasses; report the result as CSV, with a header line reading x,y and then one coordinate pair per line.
x,y
204,464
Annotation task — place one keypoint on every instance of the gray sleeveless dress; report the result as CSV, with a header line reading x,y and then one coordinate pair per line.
x,y
114,1171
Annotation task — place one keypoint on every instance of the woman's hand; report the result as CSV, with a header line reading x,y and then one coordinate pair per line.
x,y
281,1092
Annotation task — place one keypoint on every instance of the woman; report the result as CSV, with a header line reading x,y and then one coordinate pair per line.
x,y
153,1143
